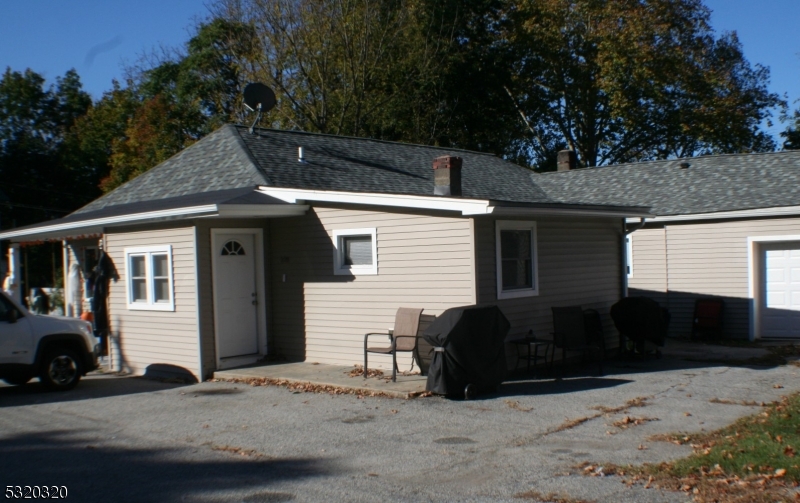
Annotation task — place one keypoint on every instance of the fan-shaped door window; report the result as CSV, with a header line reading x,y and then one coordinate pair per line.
x,y
232,248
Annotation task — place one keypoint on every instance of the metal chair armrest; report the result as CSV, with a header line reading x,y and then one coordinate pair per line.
x,y
366,338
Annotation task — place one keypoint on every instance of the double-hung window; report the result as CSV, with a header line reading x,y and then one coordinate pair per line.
x,y
150,282
356,251
516,257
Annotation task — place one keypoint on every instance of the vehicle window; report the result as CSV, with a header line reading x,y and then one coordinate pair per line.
x,y
5,308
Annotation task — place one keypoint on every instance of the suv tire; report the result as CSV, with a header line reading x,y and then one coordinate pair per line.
x,y
61,369
17,380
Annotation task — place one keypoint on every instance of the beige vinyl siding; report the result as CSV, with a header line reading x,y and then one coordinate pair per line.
x,y
424,260
579,264
649,263
206,283
706,259
144,338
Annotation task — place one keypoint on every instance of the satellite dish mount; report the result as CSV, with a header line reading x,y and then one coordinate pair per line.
x,y
258,98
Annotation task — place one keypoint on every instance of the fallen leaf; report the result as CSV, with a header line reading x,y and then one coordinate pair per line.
x,y
687,414
777,386
780,472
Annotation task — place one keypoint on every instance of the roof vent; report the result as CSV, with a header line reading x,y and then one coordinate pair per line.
x,y
685,165
300,157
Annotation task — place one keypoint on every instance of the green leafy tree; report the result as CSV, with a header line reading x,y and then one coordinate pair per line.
x,y
41,177
627,80
792,134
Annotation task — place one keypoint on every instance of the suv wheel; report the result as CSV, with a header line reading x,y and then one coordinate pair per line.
x,y
61,369
17,380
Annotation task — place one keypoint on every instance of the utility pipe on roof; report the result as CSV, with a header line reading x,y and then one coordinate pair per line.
x,y
625,233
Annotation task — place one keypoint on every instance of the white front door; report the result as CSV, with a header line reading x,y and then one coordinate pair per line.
x,y
235,294
781,291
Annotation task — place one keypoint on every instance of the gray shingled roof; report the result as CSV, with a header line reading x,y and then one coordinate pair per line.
x,y
217,162
232,158
710,184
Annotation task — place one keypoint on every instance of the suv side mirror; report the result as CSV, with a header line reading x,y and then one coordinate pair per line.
x,y
12,315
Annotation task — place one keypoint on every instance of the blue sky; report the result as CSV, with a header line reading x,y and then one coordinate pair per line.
x,y
97,37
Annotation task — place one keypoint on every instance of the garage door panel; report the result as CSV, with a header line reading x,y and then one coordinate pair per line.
x,y
781,309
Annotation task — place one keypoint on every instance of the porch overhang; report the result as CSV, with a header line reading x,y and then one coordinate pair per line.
x,y
221,204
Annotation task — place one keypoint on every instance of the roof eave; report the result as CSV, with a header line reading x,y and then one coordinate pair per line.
x,y
777,211
64,230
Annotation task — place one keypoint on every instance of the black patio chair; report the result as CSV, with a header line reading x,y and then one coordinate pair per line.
x,y
578,330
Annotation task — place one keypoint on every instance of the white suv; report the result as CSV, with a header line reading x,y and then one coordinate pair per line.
x,y
58,350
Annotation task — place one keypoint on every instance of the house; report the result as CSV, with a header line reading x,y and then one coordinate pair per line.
x,y
295,244
724,226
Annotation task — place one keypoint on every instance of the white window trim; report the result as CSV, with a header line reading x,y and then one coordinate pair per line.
x,y
338,255
501,225
149,251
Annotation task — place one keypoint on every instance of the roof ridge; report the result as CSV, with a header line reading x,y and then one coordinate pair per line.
x,y
239,127
176,154
677,159
237,135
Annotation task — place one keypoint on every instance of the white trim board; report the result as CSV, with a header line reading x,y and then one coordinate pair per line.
x,y
781,211
753,288
466,207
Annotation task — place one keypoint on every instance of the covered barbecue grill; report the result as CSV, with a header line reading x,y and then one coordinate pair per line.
x,y
642,321
468,350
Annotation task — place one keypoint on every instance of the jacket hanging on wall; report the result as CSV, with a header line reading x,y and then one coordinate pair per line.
x,y
103,272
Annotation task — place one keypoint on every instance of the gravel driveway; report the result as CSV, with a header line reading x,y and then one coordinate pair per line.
x,y
130,439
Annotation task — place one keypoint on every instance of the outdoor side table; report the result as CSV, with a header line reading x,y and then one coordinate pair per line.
x,y
526,343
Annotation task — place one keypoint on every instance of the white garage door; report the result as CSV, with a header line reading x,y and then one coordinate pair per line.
x,y
781,299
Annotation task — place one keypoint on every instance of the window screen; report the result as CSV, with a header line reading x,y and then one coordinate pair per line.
x,y
517,259
138,279
160,278
357,250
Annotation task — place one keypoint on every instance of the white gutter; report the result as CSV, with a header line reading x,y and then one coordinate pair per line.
x,y
512,211
206,210
464,206
781,211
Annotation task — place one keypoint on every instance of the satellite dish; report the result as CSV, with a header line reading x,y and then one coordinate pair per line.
x,y
258,98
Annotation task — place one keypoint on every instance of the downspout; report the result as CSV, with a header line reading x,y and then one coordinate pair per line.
x,y
625,233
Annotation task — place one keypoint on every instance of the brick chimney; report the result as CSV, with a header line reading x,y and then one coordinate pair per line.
x,y
447,176
567,160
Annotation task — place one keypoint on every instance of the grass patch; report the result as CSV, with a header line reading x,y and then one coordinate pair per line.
x,y
756,459
754,445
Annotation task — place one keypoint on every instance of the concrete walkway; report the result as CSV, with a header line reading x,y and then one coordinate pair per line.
x,y
318,374
329,375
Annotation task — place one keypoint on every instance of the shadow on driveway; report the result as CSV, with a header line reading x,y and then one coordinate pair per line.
x,y
96,473
91,386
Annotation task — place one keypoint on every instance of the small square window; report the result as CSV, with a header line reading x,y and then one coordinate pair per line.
x,y
516,259
355,251
150,278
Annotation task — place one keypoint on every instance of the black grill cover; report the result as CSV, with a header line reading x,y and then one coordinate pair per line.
x,y
641,319
473,342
